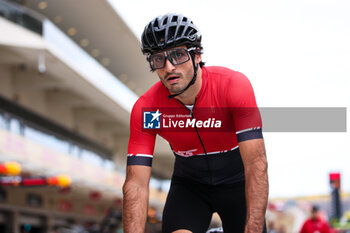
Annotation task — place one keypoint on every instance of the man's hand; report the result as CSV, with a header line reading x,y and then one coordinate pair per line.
x,y
135,203
257,186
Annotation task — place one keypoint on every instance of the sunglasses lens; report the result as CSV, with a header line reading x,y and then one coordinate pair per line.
x,y
175,56
179,56
157,61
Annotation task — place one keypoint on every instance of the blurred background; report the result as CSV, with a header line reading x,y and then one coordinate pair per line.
x,y
70,72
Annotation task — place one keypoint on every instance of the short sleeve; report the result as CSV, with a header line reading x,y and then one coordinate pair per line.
x,y
141,142
245,113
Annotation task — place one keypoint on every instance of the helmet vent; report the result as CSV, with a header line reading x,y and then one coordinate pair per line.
x,y
171,33
155,24
160,36
184,19
165,21
190,31
181,30
174,19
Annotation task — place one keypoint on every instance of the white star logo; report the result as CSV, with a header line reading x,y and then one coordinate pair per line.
x,y
155,115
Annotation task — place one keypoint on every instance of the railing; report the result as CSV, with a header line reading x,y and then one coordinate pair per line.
x,y
21,16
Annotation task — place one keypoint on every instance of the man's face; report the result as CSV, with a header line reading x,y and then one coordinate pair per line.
x,y
176,77
314,214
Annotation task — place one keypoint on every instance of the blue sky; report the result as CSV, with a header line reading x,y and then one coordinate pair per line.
x,y
296,54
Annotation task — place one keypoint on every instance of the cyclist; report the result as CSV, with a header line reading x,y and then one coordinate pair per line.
x,y
220,162
315,223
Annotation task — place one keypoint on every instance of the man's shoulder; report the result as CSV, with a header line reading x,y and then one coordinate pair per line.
x,y
219,76
220,73
218,70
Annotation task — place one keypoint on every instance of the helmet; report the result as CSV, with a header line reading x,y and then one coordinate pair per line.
x,y
169,31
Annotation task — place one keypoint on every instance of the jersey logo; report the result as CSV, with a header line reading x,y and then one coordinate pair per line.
x,y
151,120
187,153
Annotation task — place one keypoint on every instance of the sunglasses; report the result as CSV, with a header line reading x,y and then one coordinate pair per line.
x,y
175,56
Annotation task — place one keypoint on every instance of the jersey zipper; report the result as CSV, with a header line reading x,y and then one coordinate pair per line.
x,y
192,115
200,139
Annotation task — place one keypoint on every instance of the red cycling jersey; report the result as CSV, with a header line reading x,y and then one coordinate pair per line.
x,y
205,138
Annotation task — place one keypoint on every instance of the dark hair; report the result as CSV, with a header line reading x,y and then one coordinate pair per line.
x,y
199,51
315,208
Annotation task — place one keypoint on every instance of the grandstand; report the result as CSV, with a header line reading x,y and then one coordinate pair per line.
x,y
70,72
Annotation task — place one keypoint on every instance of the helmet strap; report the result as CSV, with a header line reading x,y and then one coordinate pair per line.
x,y
195,68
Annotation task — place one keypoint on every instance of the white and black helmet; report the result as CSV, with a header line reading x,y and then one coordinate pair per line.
x,y
168,31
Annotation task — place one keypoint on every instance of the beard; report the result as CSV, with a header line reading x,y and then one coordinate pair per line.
x,y
177,87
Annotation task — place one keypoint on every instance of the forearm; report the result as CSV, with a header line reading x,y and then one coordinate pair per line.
x,y
135,205
256,195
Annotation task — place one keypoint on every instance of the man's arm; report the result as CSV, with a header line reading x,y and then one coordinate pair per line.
x,y
257,186
135,203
